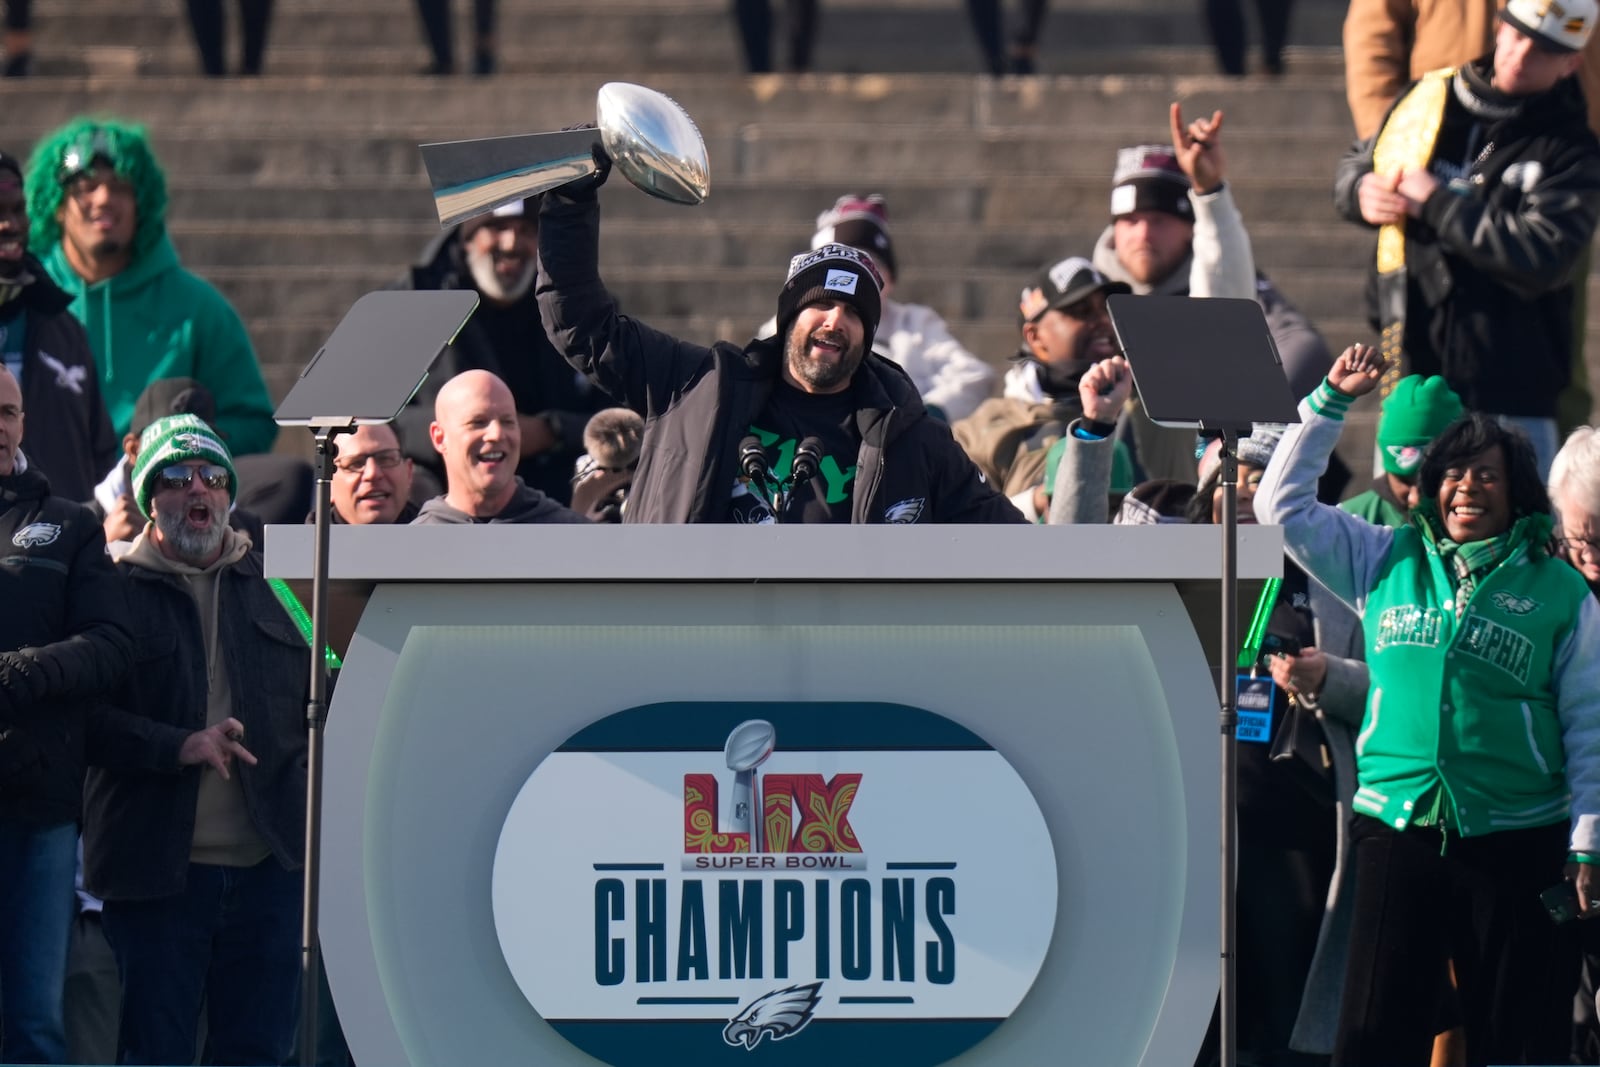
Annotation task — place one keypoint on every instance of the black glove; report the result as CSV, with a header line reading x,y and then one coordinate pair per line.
x,y
588,187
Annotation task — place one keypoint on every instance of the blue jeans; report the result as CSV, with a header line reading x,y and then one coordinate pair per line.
x,y
230,940
36,907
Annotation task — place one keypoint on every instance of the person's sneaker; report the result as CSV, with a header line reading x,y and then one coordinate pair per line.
x,y
18,66
483,63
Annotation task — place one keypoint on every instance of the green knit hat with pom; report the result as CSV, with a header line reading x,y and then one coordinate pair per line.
x,y
177,439
1413,415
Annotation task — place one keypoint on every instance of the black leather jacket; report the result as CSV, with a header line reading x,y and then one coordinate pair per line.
x,y
1486,293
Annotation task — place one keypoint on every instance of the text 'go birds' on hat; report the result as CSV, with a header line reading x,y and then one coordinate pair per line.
x,y
1063,284
1148,178
1555,25
177,439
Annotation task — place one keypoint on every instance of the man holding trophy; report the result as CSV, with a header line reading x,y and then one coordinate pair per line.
x,y
808,426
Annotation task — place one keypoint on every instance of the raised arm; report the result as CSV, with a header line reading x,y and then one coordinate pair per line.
x,y
1224,264
639,367
1339,550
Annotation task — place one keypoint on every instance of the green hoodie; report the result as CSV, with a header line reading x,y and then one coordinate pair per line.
x,y
157,320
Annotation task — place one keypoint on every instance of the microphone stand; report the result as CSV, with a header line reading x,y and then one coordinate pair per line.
x,y
1227,690
316,719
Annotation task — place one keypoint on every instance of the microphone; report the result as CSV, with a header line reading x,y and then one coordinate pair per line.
x,y
806,460
753,460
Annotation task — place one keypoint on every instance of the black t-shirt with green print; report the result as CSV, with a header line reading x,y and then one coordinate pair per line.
x,y
789,417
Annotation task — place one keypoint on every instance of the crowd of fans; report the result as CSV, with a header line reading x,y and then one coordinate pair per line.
x,y
1419,795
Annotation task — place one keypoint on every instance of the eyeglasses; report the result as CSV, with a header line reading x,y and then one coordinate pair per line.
x,y
385,458
180,475
1579,545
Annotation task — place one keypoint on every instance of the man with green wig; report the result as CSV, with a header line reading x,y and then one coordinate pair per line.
x,y
97,201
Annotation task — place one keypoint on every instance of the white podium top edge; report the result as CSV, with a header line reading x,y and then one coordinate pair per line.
x,y
775,553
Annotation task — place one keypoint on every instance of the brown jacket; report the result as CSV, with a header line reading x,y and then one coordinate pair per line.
x,y
1388,44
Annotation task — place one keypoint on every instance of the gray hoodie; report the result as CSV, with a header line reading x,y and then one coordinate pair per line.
x,y
526,505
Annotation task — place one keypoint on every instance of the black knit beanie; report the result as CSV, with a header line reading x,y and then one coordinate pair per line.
x,y
833,272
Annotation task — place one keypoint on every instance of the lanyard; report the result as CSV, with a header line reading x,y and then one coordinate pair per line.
x,y
302,621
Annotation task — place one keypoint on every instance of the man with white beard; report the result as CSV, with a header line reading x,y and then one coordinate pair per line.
x,y
191,838
495,255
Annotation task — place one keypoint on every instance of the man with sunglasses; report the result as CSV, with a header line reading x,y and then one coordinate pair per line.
x,y
194,837
97,202
1483,184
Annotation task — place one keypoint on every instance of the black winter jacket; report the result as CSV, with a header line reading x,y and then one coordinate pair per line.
x,y
1486,292
698,402
64,643
139,804
69,435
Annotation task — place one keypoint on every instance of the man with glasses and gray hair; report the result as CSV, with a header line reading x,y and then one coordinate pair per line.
x,y
1575,496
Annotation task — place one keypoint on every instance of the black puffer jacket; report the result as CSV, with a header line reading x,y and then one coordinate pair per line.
x,y
698,402
64,642
1487,288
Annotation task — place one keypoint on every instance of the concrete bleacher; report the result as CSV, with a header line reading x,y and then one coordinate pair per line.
x,y
299,191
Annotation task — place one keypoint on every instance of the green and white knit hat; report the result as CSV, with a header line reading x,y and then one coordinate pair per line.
x,y
177,439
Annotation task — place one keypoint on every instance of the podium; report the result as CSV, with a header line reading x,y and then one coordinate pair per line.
x,y
989,829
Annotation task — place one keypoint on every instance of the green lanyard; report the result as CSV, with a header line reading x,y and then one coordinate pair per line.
x,y
1258,623
302,621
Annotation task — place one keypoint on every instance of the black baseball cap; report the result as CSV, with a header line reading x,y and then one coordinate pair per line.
x,y
1062,284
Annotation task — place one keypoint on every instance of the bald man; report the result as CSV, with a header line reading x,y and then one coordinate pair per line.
x,y
476,431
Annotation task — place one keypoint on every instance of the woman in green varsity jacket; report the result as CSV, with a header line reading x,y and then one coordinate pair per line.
x,y
1479,755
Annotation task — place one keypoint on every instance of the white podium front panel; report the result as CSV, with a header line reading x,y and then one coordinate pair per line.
x,y
1095,698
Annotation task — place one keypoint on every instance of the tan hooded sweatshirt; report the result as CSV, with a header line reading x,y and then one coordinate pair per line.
x,y
223,832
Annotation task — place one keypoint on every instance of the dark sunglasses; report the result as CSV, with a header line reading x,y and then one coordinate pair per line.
x,y
179,476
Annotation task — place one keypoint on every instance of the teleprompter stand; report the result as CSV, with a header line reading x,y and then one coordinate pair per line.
x,y
1212,364
368,370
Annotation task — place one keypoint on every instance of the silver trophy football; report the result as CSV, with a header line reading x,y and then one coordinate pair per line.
x,y
651,141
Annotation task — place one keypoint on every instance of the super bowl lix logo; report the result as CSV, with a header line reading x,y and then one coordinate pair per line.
x,y
738,907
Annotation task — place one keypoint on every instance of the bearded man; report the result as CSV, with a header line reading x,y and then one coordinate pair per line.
x,y
494,255
723,425
194,829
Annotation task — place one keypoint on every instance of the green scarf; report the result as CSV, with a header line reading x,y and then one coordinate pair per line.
x,y
1473,561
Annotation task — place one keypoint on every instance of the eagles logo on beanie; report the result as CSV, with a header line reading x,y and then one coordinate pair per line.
x,y
833,272
1414,414
177,439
